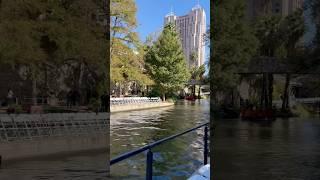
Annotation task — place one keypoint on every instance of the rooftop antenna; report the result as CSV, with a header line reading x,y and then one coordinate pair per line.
x,y
197,5
171,12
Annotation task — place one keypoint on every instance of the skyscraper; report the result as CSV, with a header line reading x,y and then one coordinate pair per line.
x,y
256,8
192,28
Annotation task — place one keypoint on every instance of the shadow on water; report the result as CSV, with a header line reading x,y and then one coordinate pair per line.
x,y
176,159
284,149
86,167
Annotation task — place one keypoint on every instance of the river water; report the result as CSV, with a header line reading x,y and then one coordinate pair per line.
x,y
176,159
285,149
89,166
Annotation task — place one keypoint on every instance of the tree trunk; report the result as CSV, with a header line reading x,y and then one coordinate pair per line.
x,y
119,90
164,97
285,99
270,90
34,91
199,91
262,92
232,98
265,91
81,72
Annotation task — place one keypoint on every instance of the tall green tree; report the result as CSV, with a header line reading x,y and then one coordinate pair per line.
x,y
293,29
127,52
166,62
232,45
279,38
196,73
269,33
200,77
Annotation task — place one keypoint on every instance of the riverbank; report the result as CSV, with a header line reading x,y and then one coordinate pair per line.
x,y
29,136
142,106
15,151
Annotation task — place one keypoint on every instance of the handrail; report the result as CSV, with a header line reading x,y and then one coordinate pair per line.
x,y
152,145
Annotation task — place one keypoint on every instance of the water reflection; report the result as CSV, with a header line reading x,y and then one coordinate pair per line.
x,y
176,159
285,149
91,166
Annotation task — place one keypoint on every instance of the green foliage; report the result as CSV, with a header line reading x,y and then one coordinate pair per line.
x,y
268,31
46,36
166,62
233,44
155,92
278,36
301,110
277,90
126,51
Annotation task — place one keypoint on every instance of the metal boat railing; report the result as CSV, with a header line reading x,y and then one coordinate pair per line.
x,y
134,100
29,126
148,148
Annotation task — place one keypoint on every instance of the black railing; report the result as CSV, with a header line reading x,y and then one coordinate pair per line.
x,y
149,147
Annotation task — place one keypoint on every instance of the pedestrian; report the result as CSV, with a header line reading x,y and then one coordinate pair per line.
x,y
69,96
10,97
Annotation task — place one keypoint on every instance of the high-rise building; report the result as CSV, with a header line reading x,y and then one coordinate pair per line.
x,y
256,8
192,28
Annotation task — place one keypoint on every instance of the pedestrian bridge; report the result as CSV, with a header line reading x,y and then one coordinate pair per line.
x,y
308,100
293,101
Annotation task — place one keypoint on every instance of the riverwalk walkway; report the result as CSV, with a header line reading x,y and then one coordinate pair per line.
x,y
136,103
24,136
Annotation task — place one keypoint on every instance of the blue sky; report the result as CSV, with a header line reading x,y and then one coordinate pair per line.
x,y
151,13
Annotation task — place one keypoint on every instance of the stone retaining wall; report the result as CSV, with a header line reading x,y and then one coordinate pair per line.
x,y
133,107
52,146
24,136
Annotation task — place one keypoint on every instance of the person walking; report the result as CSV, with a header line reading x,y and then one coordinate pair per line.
x,y
10,97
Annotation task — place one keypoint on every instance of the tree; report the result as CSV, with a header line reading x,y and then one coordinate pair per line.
x,y
233,45
201,71
269,33
47,37
194,71
127,52
278,37
294,29
166,62
315,10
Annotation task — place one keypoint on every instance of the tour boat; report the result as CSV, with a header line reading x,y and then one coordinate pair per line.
x,y
190,98
257,114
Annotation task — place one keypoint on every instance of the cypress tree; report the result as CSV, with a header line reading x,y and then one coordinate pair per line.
x,y
166,62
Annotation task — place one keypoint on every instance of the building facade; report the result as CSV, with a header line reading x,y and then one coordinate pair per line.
x,y
192,28
256,8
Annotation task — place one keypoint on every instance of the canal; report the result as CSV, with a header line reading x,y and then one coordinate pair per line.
x,y
286,149
89,166
176,159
